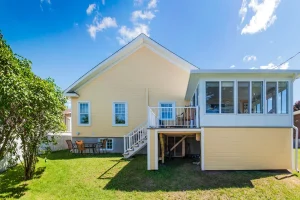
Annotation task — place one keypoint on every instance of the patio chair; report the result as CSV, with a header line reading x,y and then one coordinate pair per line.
x,y
80,146
72,147
103,146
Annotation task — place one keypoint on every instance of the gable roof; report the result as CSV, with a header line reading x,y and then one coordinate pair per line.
x,y
140,41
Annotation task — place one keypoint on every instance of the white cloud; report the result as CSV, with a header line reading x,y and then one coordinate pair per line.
x,y
138,2
47,1
152,4
243,10
279,58
127,34
103,2
272,66
264,16
249,58
138,14
232,66
106,22
91,8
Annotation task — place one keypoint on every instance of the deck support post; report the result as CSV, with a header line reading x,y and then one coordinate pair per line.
x,y
162,148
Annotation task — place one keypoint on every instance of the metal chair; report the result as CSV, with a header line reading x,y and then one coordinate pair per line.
x,y
72,147
103,146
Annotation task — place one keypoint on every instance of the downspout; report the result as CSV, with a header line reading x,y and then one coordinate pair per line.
x,y
296,148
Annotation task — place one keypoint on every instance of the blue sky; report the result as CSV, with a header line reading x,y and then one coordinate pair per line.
x,y
66,38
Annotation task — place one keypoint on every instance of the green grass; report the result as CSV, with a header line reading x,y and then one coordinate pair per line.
x,y
67,176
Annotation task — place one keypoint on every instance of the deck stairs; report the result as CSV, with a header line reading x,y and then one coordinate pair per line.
x,y
135,140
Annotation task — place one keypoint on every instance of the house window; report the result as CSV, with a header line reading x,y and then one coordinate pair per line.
x,y
227,98
243,97
282,97
212,97
257,97
84,118
109,143
120,114
167,110
271,97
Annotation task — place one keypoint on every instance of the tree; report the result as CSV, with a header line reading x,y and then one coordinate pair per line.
x,y
47,103
297,106
13,91
30,108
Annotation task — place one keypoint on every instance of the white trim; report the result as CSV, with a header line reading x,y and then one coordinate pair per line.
x,y
182,130
173,109
292,149
112,143
89,113
245,71
148,150
71,94
202,149
113,113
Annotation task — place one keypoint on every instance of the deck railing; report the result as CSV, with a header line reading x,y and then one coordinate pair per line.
x,y
173,117
135,136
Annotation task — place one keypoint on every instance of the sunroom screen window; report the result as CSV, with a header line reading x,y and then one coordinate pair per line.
x,y
243,97
212,97
166,111
271,97
227,101
257,97
282,97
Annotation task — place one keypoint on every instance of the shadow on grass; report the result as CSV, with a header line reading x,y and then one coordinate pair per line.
x,y
12,184
180,175
65,155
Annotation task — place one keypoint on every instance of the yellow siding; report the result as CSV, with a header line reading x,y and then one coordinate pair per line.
x,y
129,81
247,148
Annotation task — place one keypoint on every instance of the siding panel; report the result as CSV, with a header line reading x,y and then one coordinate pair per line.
x,y
247,148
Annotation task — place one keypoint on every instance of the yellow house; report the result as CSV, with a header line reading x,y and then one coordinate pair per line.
x,y
146,99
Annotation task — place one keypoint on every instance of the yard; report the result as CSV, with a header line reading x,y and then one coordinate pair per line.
x,y
67,176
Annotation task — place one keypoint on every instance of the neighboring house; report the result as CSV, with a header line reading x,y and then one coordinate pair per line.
x,y
145,95
68,119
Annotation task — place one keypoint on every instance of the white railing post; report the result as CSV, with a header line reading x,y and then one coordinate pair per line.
x,y
197,116
124,144
149,117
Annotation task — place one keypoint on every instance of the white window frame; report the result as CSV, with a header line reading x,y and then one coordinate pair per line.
x,y
112,143
78,113
173,109
114,114
265,112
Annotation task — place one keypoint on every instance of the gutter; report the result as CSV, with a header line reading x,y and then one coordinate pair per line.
x,y
296,148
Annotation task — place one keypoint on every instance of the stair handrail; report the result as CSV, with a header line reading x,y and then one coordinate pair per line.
x,y
135,136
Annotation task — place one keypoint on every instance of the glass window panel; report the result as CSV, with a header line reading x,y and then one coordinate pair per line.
x,y
84,118
212,97
257,97
243,97
271,97
120,118
227,100
283,97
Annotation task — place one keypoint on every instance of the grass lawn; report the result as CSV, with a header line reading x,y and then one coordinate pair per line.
x,y
67,176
